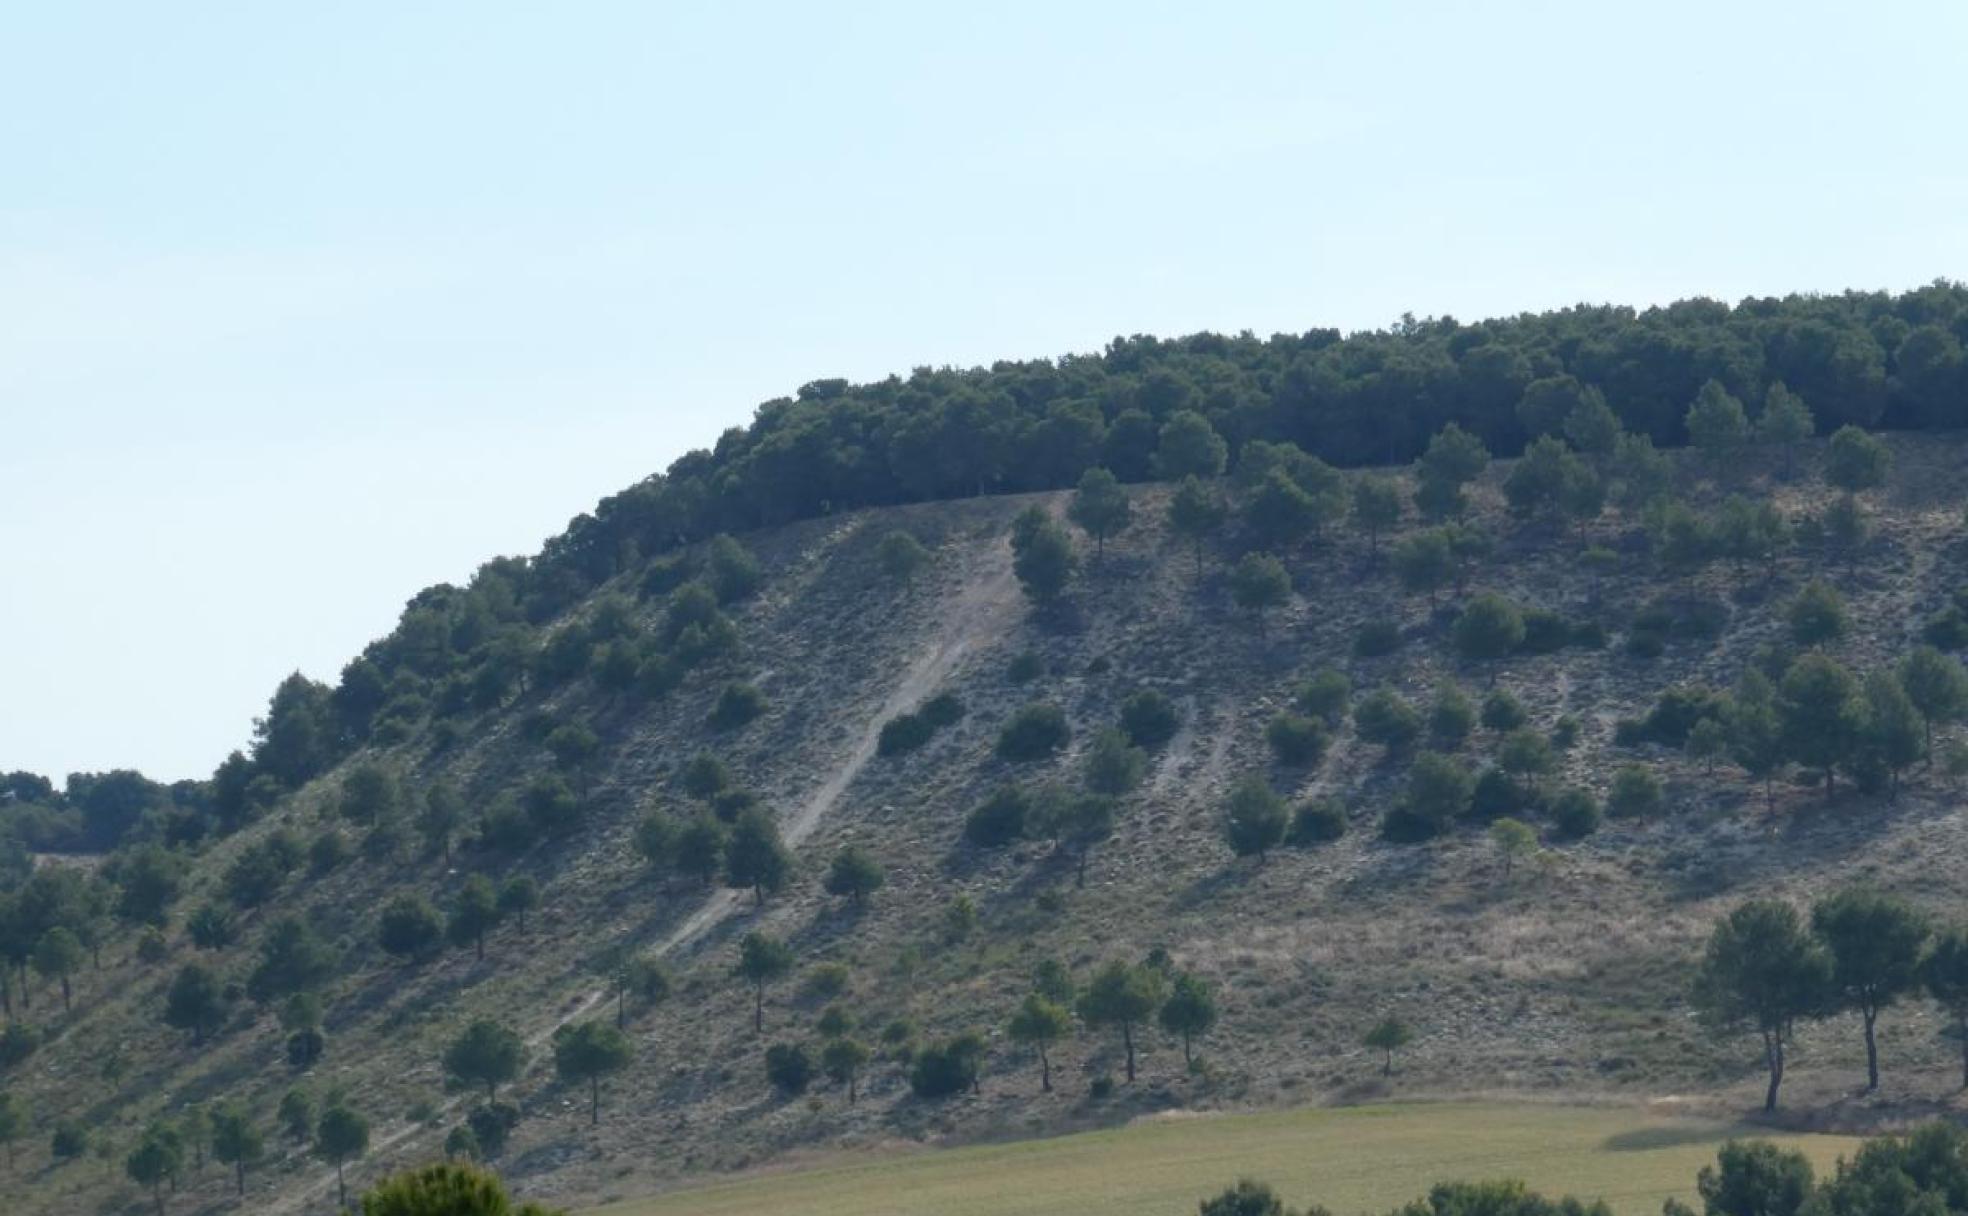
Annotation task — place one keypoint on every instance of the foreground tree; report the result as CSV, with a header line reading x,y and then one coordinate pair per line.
x,y
1196,513
157,1159
585,1052
1256,821
756,857
1258,584
449,1188
1038,1024
1875,943
1122,995
855,875
474,915
1100,505
1762,970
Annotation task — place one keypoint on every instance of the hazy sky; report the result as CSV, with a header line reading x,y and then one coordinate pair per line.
x,y
305,307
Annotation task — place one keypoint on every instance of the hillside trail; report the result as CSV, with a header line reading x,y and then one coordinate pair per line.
x,y
983,609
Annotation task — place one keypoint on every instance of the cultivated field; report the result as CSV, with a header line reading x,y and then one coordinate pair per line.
x,y
1357,1159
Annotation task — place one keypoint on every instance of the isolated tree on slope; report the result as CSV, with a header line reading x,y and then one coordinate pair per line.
x,y
1875,943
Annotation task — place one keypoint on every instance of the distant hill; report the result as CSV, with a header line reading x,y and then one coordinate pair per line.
x,y
845,679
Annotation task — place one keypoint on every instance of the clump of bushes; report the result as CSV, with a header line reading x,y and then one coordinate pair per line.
x,y
907,732
1376,638
1034,732
1320,821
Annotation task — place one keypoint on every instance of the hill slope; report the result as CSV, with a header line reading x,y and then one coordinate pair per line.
x,y
1568,977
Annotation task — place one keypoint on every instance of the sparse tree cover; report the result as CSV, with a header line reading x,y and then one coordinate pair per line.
x,y
485,1053
236,1141
1189,1012
1875,943
854,875
1762,971
1388,1036
1259,584
755,857
1042,556
1122,995
585,1053
474,913
761,960
1100,505
1039,1023
1196,513
341,1136
1256,819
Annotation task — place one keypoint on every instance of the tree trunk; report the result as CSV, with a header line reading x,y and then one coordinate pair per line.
x,y
241,1165
1188,1061
1127,1037
157,1194
850,1087
1079,876
341,1186
479,943
66,1008
1961,1025
758,1010
1387,1064
1045,1072
619,998
1871,1015
1773,1057
594,1101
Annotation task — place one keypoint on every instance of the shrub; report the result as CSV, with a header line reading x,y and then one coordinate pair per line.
x,y
1326,696
1376,638
1383,718
1575,812
1503,712
1496,795
942,710
1635,793
1296,741
1025,668
1674,715
788,1067
1317,822
1544,632
1033,733
1439,789
738,703
904,733
1451,718
1000,819
1149,718
491,1124
1565,733
947,1068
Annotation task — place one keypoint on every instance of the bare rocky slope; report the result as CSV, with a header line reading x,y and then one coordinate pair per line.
x,y
1567,979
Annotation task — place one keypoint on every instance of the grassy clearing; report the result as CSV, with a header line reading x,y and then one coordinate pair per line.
x,y
1353,1159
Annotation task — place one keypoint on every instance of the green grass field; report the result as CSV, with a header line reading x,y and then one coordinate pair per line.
x,y
1356,1159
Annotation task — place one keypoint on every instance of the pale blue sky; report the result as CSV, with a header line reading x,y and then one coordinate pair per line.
x,y
304,307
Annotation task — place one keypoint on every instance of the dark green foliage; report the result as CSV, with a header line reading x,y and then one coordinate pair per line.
x,y
1452,717
1100,506
1635,793
1575,813
755,857
1258,584
901,556
1189,447
1388,1036
700,849
1296,741
1035,732
292,959
1039,1023
1150,719
1382,717
1122,995
1544,632
474,913
519,895
491,1124
733,571
1247,1198
1114,766
1438,791
1675,714
585,1052
1075,823
1320,821
409,927
195,1002
738,703
903,733
1376,639
1326,696
1042,556
1822,715
1816,615
1762,971
1496,794
341,1136
1488,629
1256,818
762,959
1424,563
1755,1178
1875,942
551,807
1856,461
854,874
1000,819
942,711
947,1068
445,1189
1189,1011
788,1067
704,775
485,1053
212,927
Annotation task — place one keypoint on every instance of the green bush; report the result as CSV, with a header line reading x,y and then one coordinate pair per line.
x,y
942,710
904,733
1000,819
1296,741
1575,813
1025,668
1036,731
1376,638
788,1067
1150,719
737,704
1318,822
1544,632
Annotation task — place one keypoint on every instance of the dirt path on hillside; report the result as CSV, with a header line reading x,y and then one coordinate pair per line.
x,y
984,608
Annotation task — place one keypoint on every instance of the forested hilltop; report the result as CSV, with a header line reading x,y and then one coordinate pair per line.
x,y
1420,711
